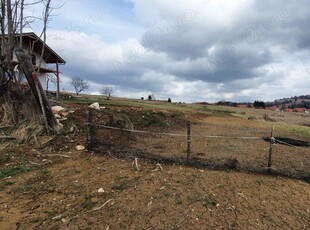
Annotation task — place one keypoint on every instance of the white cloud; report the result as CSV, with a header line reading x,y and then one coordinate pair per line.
x,y
199,51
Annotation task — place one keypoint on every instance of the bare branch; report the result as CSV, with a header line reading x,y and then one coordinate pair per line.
x,y
46,13
107,91
79,84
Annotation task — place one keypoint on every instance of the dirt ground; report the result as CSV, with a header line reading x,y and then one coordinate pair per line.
x,y
50,185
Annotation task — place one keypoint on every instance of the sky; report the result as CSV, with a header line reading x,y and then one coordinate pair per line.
x,y
189,51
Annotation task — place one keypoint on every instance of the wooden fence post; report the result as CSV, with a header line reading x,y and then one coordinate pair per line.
x,y
89,129
188,140
272,141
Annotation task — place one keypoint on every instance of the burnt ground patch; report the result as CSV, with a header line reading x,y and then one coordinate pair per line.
x,y
227,164
289,141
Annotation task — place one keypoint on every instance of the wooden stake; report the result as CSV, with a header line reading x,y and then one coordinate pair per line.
x,y
270,148
135,163
89,130
42,106
57,81
188,140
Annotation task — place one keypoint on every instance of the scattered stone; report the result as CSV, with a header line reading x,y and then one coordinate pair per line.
x,y
57,109
57,116
64,220
60,126
64,113
95,106
79,148
242,195
57,217
63,119
72,129
100,190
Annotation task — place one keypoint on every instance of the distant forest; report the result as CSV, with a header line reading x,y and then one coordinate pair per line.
x,y
302,101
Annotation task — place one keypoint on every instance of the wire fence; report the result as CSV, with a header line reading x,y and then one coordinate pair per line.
x,y
264,152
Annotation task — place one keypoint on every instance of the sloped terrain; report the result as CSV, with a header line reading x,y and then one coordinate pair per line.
x,y
50,185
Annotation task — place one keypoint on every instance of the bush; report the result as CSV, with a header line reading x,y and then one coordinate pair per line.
x,y
268,118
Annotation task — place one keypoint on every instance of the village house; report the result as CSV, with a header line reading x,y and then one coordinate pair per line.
x,y
34,45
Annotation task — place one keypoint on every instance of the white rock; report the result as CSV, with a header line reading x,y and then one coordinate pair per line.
x,y
57,109
79,148
95,106
57,217
63,119
64,220
59,127
64,113
72,129
100,190
57,116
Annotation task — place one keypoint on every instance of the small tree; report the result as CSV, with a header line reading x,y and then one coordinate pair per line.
x,y
79,84
50,78
107,91
169,100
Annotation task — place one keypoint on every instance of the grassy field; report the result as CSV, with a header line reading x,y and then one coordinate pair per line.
x,y
53,186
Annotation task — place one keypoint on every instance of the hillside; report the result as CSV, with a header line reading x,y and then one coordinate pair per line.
x,y
292,102
136,174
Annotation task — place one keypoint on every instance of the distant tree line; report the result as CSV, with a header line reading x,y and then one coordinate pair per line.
x,y
302,104
227,103
259,105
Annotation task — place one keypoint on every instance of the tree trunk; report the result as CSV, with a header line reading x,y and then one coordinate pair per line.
x,y
36,88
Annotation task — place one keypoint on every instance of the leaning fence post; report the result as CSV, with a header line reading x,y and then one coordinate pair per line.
x,y
188,140
89,129
272,141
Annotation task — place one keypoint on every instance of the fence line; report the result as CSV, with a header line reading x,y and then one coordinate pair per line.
x,y
187,134
192,135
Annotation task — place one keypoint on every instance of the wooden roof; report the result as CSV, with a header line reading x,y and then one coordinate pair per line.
x,y
49,56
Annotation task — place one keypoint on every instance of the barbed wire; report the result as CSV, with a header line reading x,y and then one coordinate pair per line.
x,y
175,134
275,140
140,131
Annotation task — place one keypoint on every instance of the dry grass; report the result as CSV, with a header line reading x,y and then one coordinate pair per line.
x,y
27,131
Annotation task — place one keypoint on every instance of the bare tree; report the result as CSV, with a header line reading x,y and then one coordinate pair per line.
x,y
107,91
79,84
50,78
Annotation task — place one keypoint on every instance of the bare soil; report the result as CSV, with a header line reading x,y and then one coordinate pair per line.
x,y
53,186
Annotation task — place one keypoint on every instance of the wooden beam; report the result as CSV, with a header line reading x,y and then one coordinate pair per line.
x,y
57,80
36,88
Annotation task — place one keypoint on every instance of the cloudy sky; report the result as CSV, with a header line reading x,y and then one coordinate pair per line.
x,y
198,50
